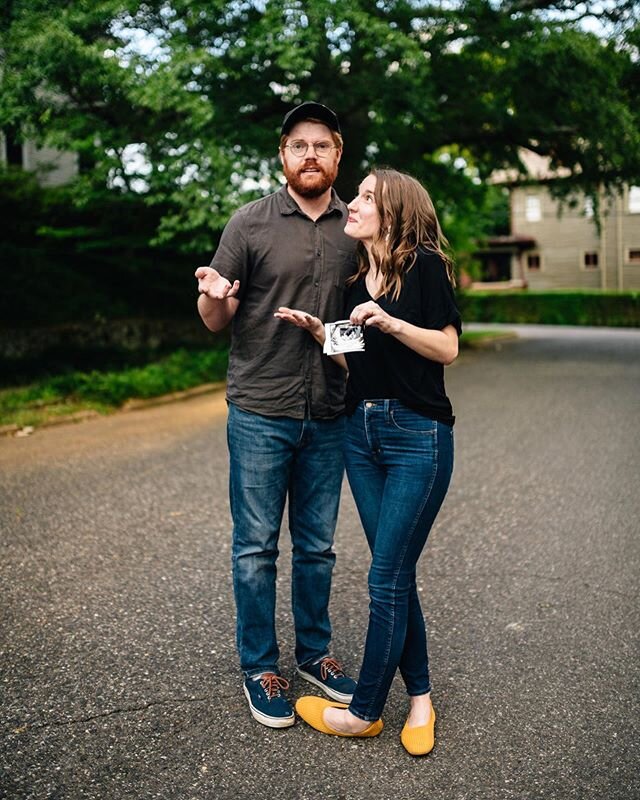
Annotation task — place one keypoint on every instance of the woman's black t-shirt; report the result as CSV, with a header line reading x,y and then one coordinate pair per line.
x,y
388,369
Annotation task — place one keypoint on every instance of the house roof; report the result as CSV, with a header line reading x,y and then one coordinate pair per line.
x,y
507,244
512,239
535,168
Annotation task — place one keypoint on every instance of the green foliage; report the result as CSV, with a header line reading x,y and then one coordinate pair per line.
x,y
62,263
181,370
615,309
198,88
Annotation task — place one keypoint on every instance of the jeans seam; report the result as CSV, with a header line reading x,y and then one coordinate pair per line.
x,y
366,430
387,651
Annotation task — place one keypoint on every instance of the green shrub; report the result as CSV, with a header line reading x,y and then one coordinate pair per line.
x,y
615,309
181,370
61,263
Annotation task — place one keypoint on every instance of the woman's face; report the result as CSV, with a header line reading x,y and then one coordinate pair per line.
x,y
364,221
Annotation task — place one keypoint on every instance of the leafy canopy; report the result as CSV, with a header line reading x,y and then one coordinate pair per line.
x,y
182,100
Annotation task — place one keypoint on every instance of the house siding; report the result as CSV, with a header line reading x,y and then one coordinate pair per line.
x,y
52,167
563,235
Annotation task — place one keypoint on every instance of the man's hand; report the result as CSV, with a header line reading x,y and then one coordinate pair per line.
x,y
213,285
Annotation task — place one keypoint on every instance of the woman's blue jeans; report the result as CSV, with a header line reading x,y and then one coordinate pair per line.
x,y
272,458
399,465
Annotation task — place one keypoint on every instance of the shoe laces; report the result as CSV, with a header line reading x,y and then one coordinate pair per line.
x,y
273,684
330,666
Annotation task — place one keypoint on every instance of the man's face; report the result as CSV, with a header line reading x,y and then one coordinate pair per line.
x,y
310,175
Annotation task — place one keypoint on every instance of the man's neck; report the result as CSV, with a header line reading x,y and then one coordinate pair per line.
x,y
313,207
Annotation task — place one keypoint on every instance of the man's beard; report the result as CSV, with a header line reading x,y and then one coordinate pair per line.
x,y
307,185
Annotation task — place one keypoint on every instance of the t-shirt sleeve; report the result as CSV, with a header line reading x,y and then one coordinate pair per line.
x,y
438,300
232,258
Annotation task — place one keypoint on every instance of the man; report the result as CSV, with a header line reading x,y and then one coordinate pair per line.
x,y
285,398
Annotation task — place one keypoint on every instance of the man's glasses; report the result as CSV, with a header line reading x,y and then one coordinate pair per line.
x,y
300,148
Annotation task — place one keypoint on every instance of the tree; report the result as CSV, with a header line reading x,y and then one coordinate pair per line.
x,y
182,99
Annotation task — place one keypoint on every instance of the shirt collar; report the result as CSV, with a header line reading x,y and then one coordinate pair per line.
x,y
289,206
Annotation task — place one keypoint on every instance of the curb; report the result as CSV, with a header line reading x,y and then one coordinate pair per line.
x,y
134,404
490,340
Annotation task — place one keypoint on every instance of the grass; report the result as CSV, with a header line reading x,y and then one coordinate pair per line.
x,y
105,391
470,337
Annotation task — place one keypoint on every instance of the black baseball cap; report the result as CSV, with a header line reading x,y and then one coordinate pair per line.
x,y
310,111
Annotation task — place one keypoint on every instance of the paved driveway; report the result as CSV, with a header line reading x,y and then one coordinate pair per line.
x,y
118,668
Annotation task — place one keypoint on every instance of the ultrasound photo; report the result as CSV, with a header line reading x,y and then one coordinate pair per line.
x,y
343,337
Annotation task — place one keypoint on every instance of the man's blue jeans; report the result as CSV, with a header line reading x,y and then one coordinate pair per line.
x,y
399,465
272,458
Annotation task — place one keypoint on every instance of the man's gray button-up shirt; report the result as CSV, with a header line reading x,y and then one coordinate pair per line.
x,y
283,258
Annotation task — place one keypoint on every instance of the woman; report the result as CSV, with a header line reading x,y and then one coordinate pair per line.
x,y
399,438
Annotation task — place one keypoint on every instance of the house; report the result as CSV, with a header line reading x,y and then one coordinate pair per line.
x,y
561,246
53,167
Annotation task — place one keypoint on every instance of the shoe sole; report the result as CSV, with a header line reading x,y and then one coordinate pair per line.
x,y
264,719
341,697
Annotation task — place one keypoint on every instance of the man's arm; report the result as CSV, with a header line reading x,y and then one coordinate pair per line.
x,y
217,302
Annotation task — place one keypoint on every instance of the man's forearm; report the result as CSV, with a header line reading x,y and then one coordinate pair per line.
x,y
216,314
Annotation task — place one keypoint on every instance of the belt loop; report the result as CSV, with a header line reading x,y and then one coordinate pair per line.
x,y
387,410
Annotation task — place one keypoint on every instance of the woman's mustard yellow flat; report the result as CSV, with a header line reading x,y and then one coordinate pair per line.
x,y
419,741
311,709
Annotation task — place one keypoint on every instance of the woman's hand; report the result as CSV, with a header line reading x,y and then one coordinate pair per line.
x,y
440,346
302,320
370,314
314,325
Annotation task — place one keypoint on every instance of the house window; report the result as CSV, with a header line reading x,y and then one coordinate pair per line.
x,y
533,261
590,260
533,209
588,207
634,255
13,148
634,199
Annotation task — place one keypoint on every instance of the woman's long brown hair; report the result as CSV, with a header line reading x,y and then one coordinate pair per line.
x,y
408,220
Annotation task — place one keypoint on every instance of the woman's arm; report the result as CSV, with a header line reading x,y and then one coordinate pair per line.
x,y
310,323
440,346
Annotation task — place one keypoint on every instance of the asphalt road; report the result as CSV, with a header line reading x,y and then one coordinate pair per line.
x,y
119,676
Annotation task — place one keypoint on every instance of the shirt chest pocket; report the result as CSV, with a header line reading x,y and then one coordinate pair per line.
x,y
339,264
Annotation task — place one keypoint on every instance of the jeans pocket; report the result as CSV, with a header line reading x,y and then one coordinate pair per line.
x,y
408,421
